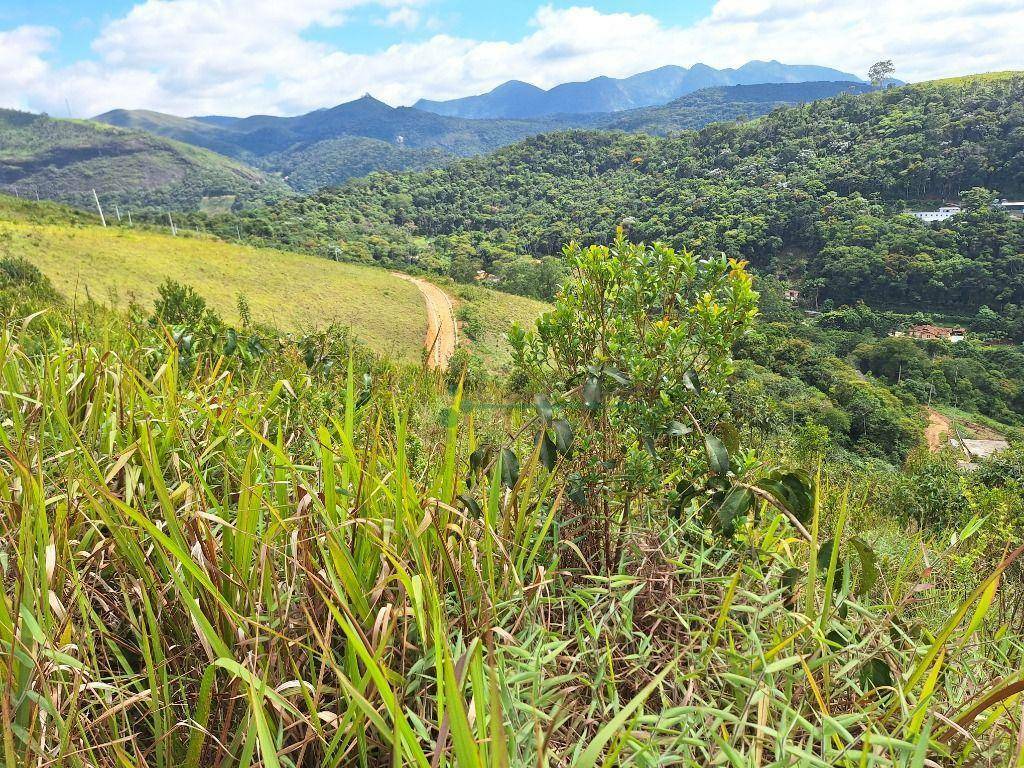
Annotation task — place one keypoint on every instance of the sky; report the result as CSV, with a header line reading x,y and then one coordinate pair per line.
x,y
239,57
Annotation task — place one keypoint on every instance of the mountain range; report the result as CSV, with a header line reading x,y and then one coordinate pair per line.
x,y
516,99
328,146
160,160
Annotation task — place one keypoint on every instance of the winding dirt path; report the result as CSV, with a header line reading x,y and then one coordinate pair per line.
x,y
442,333
937,432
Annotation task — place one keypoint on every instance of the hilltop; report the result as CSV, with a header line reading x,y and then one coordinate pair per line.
x,y
329,146
66,159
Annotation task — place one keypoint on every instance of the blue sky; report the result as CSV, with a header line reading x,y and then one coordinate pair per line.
x,y
80,20
288,56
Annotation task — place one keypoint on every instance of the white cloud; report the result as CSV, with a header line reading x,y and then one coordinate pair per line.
x,y
22,65
402,17
246,56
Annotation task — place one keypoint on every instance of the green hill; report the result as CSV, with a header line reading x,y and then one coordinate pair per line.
x,y
711,105
815,193
289,291
328,146
65,160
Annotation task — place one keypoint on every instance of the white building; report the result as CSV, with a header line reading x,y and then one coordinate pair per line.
x,y
945,212
1013,207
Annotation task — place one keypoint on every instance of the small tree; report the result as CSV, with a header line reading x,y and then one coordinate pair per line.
x,y
179,304
642,335
881,72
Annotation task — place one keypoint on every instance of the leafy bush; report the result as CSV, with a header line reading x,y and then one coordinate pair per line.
x,y
179,304
641,336
15,271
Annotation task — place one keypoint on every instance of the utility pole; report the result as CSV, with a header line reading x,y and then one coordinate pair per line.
x,y
130,219
117,210
173,230
99,207
16,192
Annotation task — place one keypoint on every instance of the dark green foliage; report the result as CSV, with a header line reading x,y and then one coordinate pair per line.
x,y
15,271
722,104
816,193
179,304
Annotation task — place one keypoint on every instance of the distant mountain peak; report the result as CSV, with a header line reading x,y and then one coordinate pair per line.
x,y
516,99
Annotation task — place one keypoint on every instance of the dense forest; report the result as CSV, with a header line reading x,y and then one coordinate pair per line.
x,y
815,194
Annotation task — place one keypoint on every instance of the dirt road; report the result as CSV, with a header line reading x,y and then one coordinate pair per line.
x,y
937,431
442,335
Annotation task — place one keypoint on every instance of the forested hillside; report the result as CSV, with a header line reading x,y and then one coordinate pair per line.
x,y
66,159
815,193
328,146
724,103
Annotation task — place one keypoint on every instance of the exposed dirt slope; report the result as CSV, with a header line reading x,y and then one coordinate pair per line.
x,y
442,335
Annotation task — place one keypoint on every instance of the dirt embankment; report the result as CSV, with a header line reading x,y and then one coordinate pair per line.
x,y
442,334
936,434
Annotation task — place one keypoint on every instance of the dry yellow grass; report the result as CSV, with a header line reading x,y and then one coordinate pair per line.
x,y
287,290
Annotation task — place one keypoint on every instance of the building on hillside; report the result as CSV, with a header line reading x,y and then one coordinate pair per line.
x,y
483,276
935,333
791,294
1013,207
945,212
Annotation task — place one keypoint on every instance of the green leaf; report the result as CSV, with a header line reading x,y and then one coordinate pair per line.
x,y
692,382
793,491
718,455
480,457
875,674
687,492
509,467
548,452
677,429
825,556
868,565
563,437
734,506
616,375
576,490
730,436
592,393
231,343
470,504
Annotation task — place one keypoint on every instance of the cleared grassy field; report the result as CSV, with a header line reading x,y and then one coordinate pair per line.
x,y
496,311
287,290
290,291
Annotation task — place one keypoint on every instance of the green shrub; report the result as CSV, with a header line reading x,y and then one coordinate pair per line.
x,y
179,304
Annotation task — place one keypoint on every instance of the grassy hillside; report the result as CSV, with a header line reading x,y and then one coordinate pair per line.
x,y
289,291
66,159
